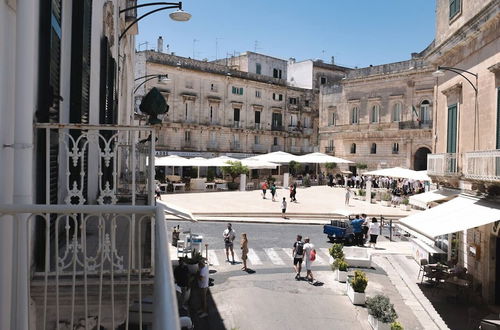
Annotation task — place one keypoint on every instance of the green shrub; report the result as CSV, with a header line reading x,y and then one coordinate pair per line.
x,y
405,201
373,195
361,192
210,174
233,185
336,251
396,326
294,167
195,258
386,197
235,169
361,166
307,182
380,307
341,265
359,282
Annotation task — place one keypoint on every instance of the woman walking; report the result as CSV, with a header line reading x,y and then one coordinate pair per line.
x,y
347,195
273,191
244,251
373,230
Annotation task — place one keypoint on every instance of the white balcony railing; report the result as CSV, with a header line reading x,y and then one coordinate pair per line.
x,y
294,149
276,147
307,130
258,126
108,159
307,149
482,165
442,164
92,262
260,148
236,124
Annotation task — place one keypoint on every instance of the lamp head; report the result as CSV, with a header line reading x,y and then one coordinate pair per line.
x,y
438,73
180,16
163,79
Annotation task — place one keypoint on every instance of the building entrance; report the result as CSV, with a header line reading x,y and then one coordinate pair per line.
x,y
420,162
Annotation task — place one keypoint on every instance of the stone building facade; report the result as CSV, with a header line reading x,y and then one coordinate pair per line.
x,y
466,148
218,110
380,116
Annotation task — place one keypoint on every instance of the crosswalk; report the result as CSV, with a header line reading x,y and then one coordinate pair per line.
x,y
265,257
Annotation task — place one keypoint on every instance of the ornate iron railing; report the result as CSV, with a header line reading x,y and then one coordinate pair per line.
x,y
442,164
276,147
482,165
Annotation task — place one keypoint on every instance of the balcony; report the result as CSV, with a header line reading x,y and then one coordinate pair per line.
x,y
410,124
235,146
258,126
103,260
259,148
442,164
307,149
330,150
307,131
277,128
482,165
277,147
236,124
294,150
188,145
212,146
294,128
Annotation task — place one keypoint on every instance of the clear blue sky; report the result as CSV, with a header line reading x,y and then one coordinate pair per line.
x,y
356,32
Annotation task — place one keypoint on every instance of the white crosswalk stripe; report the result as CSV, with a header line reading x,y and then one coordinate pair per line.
x,y
288,253
253,257
327,252
212,258
319,260
273,256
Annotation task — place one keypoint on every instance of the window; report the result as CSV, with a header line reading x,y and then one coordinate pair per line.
x,y
353,148
454,7
355,115
213,87
277,97
211,113
275,141
331,119
292,100
373,149
306,103
186,112
307,122
293,120
258,68
256,139
375,113
277,73
451,141
236,115
425,114
187,136
237,90
395,148
277,121
396,112
322,80
257,93
498,122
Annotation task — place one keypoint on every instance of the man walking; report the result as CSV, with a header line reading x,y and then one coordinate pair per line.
x,y
203,284
229,235
283,208
298,255
357,228
309,256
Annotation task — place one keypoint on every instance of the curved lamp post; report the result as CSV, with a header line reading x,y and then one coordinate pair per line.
x,y
178,15
440,72
162,78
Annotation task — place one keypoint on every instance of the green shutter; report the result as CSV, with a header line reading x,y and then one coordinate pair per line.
x,y
451,146
498,118
454,7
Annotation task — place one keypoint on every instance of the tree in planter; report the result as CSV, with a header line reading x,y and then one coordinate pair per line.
x,y
336,251
381,309
340,264
235,170
397,326
359,282
330,166
210,174
405,201
361,166
294,167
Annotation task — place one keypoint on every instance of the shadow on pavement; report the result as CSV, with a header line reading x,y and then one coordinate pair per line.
x,y
213,321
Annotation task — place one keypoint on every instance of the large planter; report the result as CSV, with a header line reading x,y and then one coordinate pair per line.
x,y
378,325
405,207
357,298
341,276
192,268
385,203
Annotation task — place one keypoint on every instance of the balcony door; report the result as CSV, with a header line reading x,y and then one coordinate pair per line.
x,y
277,121
498,118
451,138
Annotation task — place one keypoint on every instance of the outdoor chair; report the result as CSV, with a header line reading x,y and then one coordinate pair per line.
x,y
423,262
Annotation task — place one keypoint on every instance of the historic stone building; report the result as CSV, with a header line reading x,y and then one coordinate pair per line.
x,y
215,109
466,147
380,116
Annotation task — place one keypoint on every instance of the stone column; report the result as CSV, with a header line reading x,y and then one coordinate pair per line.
x,y
368,192
243,182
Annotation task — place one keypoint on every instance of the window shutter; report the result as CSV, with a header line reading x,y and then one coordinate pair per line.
x,y
451,143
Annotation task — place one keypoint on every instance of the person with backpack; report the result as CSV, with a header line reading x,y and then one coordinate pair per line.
x,y
309,256
298,256
273,191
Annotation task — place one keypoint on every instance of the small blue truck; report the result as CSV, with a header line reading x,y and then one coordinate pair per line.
x,y
340,229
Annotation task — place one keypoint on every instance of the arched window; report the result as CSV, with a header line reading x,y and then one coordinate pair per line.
x,y
373,149
425,112
395,148
355,115
353,148
375,115
396,112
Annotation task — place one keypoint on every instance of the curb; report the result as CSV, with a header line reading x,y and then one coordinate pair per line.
x,y
264,221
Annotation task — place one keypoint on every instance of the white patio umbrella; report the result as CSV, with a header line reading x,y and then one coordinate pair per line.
x,y
172,160
280,157
399,172
250,163
321,158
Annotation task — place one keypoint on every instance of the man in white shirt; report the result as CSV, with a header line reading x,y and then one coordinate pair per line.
x,y
229,235
308,251
203,284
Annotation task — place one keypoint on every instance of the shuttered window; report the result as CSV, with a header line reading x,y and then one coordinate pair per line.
x,y
455,7
451,142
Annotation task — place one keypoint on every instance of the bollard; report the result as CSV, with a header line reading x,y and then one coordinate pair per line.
x,y
390,230
206,253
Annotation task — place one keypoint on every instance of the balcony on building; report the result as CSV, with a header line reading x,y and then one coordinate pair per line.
x,y
482,165
294,128
295,150
237,124
277,128
307,149
212,146
307,130
258,126
235,146
187,145
276,147
445,164
411,124
259,148
330,150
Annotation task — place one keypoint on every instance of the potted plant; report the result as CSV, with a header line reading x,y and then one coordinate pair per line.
x,y
340,267
362,194
405,204
235,170
336,252
397,326
385,199
356,288
381,312
192,262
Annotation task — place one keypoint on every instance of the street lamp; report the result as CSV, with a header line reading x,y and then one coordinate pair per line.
x,y
178,15
162,79
440,72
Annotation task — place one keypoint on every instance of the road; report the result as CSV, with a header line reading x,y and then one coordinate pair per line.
x,y
269,297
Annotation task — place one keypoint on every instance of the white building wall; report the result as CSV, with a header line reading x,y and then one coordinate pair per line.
x,y
300,74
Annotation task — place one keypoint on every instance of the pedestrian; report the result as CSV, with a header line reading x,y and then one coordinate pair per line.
x,y
365,227
298,255
291,193
357,228
244,251
283,208
273,191
181,277
374,230
295,192
264,189
330,180
309,256
158,191
347,195
229,235
203,284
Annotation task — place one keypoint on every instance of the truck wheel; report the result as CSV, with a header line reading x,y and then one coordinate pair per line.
x,y
331,239
349,240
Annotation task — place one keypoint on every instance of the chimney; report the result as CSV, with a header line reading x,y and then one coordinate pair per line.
x,y
160,44
291,60
333,59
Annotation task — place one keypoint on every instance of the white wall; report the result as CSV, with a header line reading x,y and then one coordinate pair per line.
x,y
300,74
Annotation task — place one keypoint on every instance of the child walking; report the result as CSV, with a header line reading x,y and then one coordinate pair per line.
x,y
283,208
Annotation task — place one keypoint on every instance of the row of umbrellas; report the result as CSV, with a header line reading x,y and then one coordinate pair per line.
x,y
266,161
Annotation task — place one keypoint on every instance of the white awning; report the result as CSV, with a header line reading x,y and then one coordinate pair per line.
x,y
399,172
321,158
461,213
172,160
249,162
423,200
277,157
177,211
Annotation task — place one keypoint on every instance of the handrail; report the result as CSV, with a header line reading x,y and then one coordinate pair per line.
x,y
71,209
